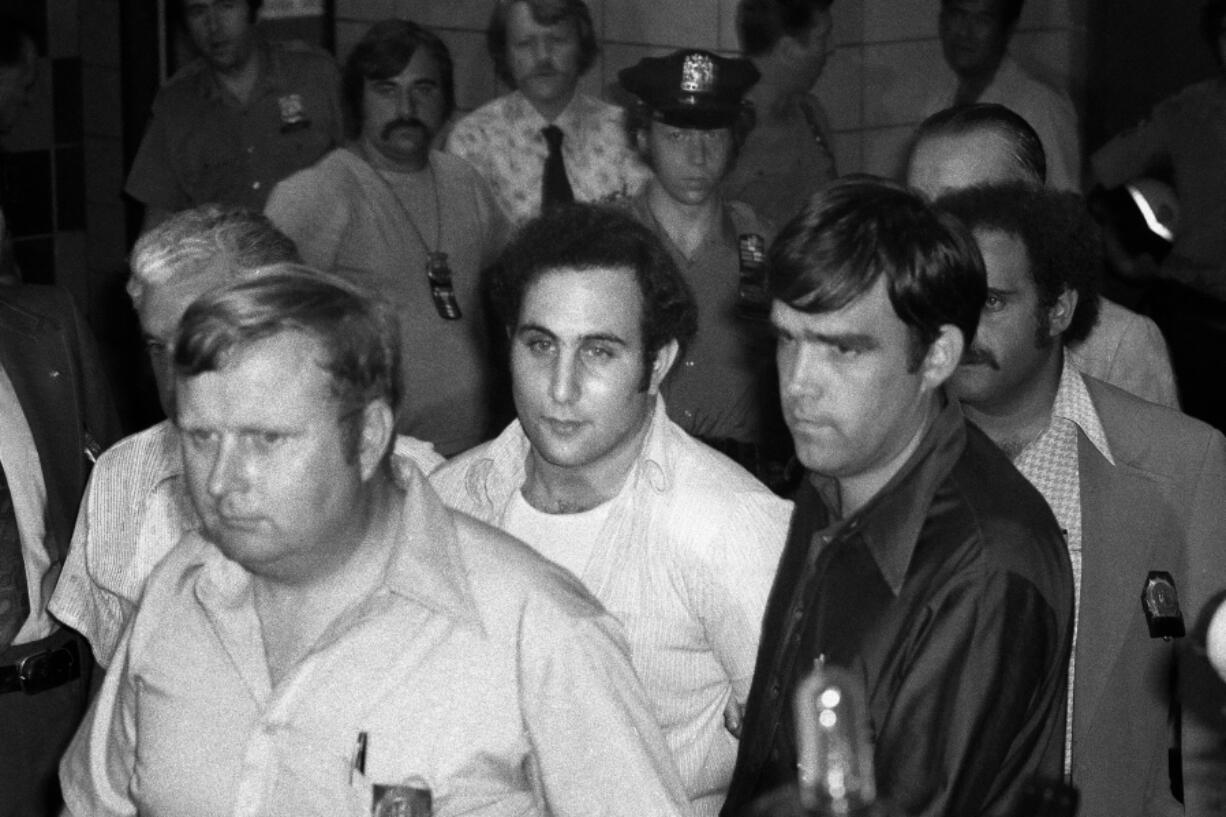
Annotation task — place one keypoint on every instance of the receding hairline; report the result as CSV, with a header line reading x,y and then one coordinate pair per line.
x,y
1000,155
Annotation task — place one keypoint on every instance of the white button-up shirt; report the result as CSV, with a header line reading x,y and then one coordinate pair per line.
x,y
477,668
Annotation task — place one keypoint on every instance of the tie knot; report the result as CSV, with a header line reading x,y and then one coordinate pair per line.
x,y
553,137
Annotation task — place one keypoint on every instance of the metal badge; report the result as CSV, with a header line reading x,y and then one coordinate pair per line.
x,y
752,301
1160,601
438,272
698,74
293,113
409,799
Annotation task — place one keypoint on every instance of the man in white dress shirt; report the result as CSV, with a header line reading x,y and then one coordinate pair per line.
x,y
673,538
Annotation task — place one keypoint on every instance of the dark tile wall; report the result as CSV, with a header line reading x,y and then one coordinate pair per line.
x,y
61,178
42,167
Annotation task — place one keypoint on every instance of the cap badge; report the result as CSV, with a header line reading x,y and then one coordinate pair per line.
x,y
698,74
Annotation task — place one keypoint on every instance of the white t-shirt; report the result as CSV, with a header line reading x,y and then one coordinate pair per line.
x,y
566,539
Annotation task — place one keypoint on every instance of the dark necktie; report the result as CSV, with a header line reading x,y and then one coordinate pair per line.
x,y
555,187
14,598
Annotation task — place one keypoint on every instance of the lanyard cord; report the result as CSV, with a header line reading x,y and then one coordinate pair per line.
x,y
438,208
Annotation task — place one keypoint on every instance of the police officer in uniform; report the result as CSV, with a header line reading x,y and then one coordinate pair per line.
x,y
689,121
237,120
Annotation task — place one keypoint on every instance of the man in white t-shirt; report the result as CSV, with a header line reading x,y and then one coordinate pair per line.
x,y
673,538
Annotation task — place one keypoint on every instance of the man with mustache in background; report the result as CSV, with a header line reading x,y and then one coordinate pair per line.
x,y
413,225
546,142
1137,489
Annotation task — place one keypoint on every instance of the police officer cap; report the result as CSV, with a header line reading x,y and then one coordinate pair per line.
x,y
691,89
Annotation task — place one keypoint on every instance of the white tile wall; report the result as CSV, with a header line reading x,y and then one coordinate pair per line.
x,y
873,87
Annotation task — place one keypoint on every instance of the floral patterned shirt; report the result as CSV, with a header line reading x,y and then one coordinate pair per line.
x,y
503,140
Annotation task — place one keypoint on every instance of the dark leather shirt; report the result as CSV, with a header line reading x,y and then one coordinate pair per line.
x,y
950,595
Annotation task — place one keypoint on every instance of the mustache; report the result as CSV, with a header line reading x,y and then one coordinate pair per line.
x,y
544,69
396,124
978,356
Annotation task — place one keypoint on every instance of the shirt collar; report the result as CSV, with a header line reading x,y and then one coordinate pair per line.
x,y
503,470
723,239
168,452
428,565
1074,405
569,120
890,522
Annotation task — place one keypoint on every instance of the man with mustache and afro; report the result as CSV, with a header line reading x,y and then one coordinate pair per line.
x,y
1137,489
413,225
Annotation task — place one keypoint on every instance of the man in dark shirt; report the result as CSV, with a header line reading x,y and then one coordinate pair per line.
x,y
231,124
918,557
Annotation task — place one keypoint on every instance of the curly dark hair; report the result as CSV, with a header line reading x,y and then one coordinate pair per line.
x,y
546,13
861,228
384,51
1061,238
762,23
594,236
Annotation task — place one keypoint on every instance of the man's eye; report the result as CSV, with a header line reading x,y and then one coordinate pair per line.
x,y
539,346
199,438
599,352
264,440
994,303
844,350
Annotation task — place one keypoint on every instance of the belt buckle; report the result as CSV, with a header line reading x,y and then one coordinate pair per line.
x,y
47,669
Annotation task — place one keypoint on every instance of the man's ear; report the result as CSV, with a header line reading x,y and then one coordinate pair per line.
x,y
1060,315
665,358
942,357
378,428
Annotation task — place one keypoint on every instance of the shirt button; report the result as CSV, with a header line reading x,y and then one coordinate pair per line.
x,y
689,364
255,185
250,149
775,690
798,614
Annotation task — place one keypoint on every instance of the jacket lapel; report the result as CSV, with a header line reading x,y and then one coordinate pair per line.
x,y
1122,529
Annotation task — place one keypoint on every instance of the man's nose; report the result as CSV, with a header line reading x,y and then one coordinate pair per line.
x,y
406,106
542,50
228,473
801,373
564,387
697,149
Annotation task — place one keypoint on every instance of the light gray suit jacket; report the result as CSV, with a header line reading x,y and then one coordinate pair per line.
x,y
1161,506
